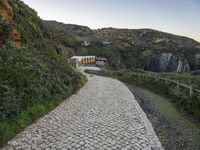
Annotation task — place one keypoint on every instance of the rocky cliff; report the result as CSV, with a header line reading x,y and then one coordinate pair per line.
x,y
168,62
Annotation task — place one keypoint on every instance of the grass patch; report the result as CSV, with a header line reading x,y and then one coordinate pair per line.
x,y
175,129
182,77
185,78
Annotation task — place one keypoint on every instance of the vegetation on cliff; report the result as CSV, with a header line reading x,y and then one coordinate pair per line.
x,y
34,77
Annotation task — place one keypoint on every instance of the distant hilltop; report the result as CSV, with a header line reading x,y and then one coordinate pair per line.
x,y
138,48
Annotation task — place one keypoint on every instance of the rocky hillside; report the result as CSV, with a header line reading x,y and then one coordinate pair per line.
x,y
7,24
142,48
32,69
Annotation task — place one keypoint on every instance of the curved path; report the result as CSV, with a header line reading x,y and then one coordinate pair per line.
x,y
102,115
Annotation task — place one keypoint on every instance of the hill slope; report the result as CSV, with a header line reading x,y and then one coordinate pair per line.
x,y
128,48
33,73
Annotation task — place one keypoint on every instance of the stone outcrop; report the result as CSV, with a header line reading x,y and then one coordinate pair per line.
x,y
7,14
16,36
5,10
167,62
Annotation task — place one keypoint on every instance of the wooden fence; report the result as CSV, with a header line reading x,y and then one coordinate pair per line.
x,y
178,85
192,90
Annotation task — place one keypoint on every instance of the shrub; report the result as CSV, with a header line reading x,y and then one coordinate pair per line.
x,y
34,78
28,79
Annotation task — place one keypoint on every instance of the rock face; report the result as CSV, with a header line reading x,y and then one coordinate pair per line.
x,y
197,61
168,62
5,10
7,14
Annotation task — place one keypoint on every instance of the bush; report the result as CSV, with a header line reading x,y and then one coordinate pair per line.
x,y
27,79
31,84
34,78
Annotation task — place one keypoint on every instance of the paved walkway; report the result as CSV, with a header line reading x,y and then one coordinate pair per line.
x,y
102,115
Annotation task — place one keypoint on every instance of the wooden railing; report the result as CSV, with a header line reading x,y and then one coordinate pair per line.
x,y
168,81
178,85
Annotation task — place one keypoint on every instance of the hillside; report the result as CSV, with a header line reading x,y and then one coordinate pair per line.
x,y
34,77
128,48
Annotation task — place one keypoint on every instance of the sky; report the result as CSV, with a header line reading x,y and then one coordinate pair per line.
x,y
181,17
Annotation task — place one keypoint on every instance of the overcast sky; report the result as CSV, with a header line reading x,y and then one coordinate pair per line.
x,y
180,17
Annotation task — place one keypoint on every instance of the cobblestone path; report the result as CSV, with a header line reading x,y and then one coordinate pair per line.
x,y
102,115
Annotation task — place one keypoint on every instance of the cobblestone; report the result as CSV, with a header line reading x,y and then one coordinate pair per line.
x,y
102,115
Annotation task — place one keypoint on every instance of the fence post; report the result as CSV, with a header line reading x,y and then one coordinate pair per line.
x,y
77,64
191,91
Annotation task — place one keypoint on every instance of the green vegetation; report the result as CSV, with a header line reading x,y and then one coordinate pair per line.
x,y
175,129
119,57
4,30
185,78
34,77
31,84
14,125
182,77
27,79
189,103
128,48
